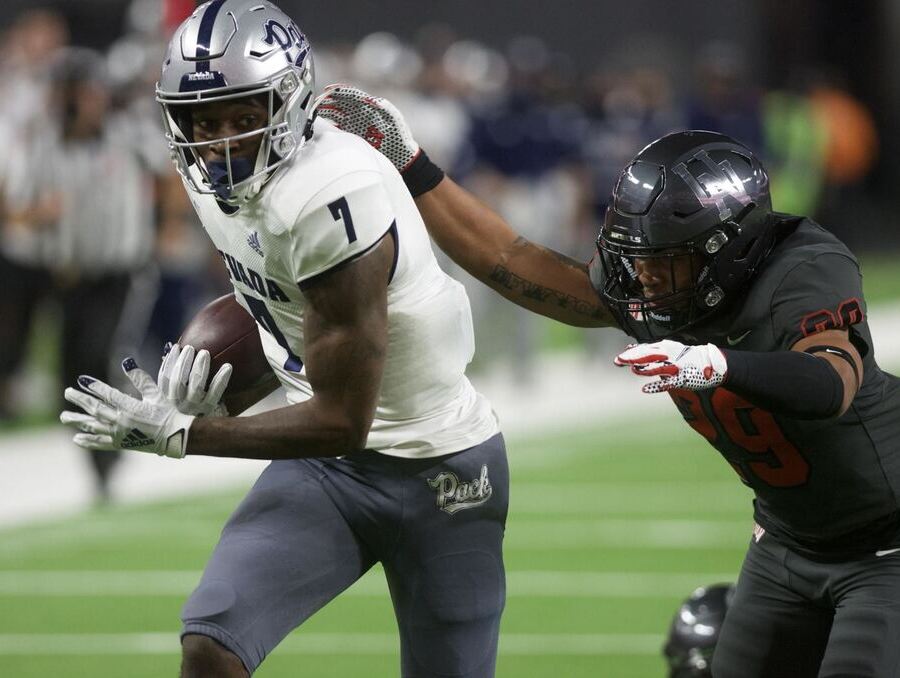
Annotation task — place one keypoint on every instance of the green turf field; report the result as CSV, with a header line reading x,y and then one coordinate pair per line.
x,y
609,528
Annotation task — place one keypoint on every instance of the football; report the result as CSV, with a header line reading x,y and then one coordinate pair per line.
x,y
230,335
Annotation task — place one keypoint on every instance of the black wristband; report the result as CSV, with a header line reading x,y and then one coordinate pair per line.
x,y
421,175
791,383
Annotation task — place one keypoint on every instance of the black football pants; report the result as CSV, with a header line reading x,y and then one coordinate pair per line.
x,y
91,309
793,617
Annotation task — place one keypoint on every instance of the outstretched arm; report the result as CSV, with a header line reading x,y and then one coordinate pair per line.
x,y
817,379
530,275
473,235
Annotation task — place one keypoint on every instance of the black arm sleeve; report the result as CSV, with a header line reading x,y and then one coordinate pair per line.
x,y
791,383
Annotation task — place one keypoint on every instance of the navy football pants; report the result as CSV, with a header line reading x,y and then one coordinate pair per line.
x,y
309,528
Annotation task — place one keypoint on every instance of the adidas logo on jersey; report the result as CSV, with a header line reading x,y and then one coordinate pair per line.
x,y
453,495
253,241
136,438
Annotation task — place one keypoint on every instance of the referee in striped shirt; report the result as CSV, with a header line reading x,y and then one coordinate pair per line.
x,y
80,226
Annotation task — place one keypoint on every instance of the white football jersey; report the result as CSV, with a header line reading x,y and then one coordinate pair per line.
x,y
330,204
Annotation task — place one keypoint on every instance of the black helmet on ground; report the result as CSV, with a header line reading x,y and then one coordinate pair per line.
x,y
688,224
695,630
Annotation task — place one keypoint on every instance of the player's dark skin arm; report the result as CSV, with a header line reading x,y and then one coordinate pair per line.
x,y
244,400
532,276
838,339
346,343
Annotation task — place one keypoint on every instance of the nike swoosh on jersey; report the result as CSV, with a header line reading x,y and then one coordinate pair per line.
x,y
738,339
886,553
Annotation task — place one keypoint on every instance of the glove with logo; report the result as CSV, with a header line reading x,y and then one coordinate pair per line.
x,y
695,368
115,420
182,379
379,122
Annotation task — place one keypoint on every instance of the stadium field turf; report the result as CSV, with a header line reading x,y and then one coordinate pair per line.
x,y
609,529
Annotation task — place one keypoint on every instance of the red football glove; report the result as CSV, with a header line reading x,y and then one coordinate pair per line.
x,y
375,119
695,368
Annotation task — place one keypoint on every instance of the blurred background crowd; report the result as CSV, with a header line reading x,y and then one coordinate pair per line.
x,y
534,109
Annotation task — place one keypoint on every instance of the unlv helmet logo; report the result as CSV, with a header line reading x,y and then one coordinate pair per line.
x,y
714,184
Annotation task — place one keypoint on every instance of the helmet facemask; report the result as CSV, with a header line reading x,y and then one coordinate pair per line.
x,y
225,51
688,226
697,280
234,180
681,298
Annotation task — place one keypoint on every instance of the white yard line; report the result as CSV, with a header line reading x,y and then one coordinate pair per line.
x,y
531,535
628,533
121,644
625,498
179,583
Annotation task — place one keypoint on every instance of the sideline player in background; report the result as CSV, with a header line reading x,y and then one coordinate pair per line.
x,y
80,227
754,322
386,452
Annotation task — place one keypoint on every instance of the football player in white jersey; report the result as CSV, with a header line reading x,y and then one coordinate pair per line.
x,y
385,453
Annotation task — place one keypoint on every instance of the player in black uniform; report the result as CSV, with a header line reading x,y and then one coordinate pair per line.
x,y
755,323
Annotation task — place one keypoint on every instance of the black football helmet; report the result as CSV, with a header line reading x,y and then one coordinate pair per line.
x,y
696,206
695,630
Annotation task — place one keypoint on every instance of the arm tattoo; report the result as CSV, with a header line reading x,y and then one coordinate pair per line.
x,y
503,277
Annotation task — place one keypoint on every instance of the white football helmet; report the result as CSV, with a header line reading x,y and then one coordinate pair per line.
x,y
229,49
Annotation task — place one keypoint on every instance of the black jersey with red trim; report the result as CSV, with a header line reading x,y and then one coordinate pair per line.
x,y
826,487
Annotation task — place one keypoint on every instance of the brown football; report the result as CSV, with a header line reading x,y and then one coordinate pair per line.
x,y
230,335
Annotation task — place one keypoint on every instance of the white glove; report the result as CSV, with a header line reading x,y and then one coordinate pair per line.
x,y
115,420
374,119
182,379
695,368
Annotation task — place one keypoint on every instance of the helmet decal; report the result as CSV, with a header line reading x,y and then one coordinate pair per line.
x,y
287,39
719,180
204,34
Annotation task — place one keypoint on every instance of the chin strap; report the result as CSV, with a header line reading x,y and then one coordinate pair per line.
x,y
308,128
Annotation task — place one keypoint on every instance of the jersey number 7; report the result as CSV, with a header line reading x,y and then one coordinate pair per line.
x,y
340,210
265,319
